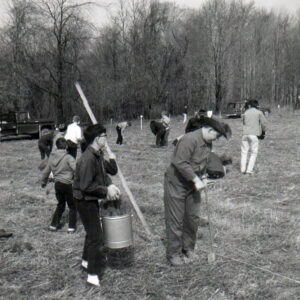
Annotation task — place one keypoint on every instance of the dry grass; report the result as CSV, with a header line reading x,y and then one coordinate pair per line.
x,y
255,222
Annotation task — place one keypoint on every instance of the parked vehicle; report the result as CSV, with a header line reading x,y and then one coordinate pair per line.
x,y
19,123
236,109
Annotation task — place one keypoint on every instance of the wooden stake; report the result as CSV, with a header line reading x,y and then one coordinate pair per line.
x,y
122,178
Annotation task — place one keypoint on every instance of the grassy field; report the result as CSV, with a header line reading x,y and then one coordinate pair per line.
x,y
255,223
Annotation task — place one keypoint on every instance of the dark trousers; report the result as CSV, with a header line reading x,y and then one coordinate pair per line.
x,y
72,148
182,215
162,137
44,150
120,137
64,194
89,214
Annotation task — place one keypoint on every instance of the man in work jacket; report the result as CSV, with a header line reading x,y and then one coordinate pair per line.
x,y
183,185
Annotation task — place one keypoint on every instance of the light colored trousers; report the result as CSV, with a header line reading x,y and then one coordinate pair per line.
x,y
249,144
184,118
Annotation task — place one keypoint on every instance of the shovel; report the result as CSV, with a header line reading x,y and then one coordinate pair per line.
x,y
211,257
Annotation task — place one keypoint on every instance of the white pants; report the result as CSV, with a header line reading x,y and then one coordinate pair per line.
x,y
249,144
184,118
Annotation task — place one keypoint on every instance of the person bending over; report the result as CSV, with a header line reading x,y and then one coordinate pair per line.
x,y
182,187
120,130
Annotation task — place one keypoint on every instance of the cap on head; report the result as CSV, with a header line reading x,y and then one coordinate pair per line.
x,y
76,119
222,128
93,131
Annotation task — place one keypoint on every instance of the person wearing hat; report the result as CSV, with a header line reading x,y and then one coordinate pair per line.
x,y
73,136
254,127
91,182
183,185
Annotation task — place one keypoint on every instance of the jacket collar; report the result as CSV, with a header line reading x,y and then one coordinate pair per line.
x,y
96,153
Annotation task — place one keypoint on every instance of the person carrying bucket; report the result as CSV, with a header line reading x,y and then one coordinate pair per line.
x,y
91,182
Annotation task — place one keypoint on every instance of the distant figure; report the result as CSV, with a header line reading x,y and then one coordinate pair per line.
x,y
185,113
254,127
45,144
120,130
161,130
73,136
63,166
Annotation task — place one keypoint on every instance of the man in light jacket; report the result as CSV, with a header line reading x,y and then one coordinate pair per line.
x,y
73,136
254,126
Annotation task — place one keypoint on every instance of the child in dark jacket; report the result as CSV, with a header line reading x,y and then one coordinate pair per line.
x,y
63,167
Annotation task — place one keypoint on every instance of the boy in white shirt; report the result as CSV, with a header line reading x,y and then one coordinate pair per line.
x,y
73,136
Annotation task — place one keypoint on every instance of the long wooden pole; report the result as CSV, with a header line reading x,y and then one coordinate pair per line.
x,y
122,178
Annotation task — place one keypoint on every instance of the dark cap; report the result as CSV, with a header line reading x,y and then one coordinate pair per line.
x,y
222,128
93,131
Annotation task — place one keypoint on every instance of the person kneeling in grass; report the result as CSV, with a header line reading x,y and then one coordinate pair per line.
x,y
183,185
91,182
62,165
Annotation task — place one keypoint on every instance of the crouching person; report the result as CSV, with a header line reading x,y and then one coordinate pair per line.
x,y
91,182
62,165
182,188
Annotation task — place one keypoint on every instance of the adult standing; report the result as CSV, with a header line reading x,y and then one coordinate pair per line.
x,y
182,187
254,126
120,130
91,182
73,136
45,144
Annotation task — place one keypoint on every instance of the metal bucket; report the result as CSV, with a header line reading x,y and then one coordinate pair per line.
x,y
117,231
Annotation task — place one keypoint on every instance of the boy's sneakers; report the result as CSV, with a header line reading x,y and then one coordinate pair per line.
x,y
71,230
84,264
52,228
93,279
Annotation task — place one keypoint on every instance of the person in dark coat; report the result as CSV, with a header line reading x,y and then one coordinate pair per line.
x,y
91,182
45,144
183,185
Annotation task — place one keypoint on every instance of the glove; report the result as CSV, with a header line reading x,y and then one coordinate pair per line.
x,y
43,185
199,184
113,193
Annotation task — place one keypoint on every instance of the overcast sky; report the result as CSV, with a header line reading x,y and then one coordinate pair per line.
x,y
97,13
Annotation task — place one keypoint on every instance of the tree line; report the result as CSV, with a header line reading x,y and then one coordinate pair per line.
x,y
152,56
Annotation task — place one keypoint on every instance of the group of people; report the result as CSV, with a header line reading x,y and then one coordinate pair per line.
x,y
81,184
